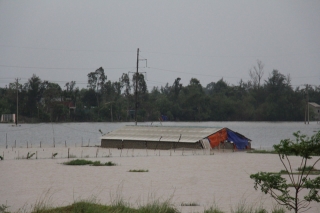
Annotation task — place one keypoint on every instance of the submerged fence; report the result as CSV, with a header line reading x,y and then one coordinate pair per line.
x,y
94,152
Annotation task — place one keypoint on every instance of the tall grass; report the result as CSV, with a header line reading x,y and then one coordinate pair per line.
x,y
213,209
120,206
157,206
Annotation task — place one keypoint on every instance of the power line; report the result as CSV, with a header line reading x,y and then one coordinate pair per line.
x,y
298,53
190,73
60,68
61,49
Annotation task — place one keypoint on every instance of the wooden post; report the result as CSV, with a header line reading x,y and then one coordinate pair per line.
x,y
68,152
6,141
136,90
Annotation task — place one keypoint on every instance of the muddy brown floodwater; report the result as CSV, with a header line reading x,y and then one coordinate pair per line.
x,y
183,176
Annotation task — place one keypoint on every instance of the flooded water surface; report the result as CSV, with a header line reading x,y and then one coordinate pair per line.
x,y
183,176
262,134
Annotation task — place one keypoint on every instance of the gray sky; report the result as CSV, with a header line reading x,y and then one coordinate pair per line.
x,y
62,40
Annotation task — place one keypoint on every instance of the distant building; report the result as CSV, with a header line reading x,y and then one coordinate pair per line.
x,y
8,118
315,108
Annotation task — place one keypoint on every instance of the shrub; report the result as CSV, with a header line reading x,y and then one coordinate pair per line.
x,y
138,170
277,187
78,162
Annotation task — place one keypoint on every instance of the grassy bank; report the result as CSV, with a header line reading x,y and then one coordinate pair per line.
x,y
123,207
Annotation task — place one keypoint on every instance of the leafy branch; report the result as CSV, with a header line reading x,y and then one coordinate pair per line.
x,y
277,186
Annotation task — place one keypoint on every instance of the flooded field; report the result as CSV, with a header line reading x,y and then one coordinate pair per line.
x,y
183,176
263,134
219,178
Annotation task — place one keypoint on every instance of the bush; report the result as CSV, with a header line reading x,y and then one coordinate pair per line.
x,y
277,186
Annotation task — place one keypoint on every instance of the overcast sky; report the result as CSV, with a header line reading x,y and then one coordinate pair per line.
x,y
61,40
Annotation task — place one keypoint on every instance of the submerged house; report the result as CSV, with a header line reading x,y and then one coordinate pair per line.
x,y
172,137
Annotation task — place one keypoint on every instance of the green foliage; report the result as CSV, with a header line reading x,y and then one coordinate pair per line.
x,y
138,170
82,162
157,206
307,168
109,163
44,101
3,208
78,162
256,151
190,204
277,186
213,210
92,207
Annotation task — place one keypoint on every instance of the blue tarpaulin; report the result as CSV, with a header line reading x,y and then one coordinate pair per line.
x,y
240,141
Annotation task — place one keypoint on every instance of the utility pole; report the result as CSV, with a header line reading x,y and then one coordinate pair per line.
x,y
17,90
308,101
306,114
136,89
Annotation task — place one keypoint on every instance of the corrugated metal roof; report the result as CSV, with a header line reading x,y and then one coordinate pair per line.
x,y
161,133
314,104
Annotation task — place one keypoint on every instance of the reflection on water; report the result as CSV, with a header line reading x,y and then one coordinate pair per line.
x,y
262,134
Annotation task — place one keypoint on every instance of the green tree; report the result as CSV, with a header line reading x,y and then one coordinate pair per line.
x,y
277,186
5,106
140,84
96,81
34,89
52,100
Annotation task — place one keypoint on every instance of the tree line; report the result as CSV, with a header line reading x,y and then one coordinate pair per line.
x,y
103,100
